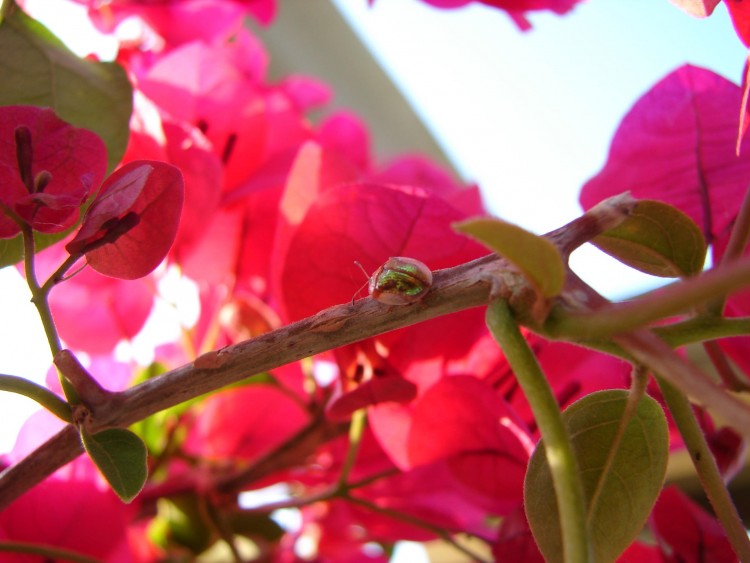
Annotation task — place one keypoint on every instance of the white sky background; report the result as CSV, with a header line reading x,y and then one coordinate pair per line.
x,y
528,116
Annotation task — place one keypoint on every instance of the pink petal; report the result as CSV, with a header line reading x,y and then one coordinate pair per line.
x,y
689,531
76,159
677,145
372,392
157,206
740,13
245,422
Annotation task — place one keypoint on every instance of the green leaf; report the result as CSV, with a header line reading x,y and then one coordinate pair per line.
x,y
657,239
121,457
538,259
39,70
253,524
184,522
11,249
621,484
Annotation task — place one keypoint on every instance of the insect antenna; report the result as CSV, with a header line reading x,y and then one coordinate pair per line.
x,y
364,284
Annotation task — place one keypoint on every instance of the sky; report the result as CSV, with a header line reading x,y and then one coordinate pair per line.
x,y
527,116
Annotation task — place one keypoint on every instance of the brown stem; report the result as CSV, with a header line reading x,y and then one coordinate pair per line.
x,y
723,367
59,450
441,533
454,289
88,388
654,353
299,447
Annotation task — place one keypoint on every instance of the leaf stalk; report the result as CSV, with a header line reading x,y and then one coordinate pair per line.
x,y
35,392
705,466
558,446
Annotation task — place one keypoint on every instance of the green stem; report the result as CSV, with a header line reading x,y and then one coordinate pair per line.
x,y
39,297
723,367
49,553
557,443
344,493
372,478
6,6
41,395
638,385
649,350
738,240
355,439
59,274
414,521
674,299
705,466
329,493
216,520
42,307
700,329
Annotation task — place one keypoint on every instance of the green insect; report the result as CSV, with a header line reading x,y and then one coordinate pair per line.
x,y
399,281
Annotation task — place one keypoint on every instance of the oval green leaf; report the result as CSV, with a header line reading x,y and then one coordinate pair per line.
x,y
121,457
622,466
186,522
538,259
11,249
41,71
656,239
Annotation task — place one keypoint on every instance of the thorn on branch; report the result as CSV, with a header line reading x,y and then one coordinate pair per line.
x,y
604,216
92,394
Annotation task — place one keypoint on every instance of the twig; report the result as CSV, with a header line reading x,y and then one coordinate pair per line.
x,y
736,245
34,391
454,289
414,521
304,443
88,389
651,351
705,465
49,553
59,450
561,459
671,300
